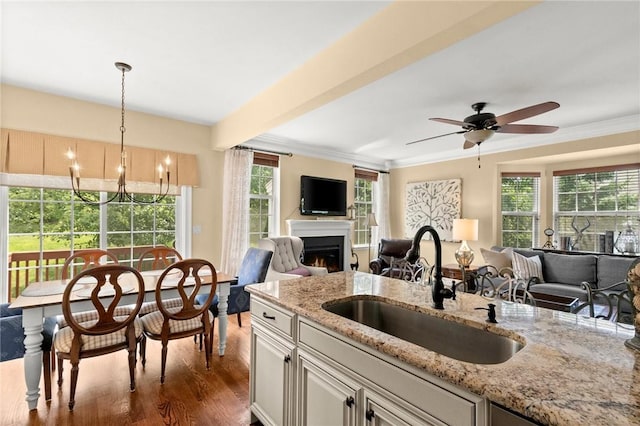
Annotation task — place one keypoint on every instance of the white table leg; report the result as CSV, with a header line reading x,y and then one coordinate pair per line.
x,y
223,298
32,324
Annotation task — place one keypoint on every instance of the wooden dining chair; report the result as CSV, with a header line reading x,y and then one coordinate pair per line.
x,y
79,261
82,260
111,331
189,319
158,258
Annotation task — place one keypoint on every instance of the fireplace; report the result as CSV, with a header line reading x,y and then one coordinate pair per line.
x,y
327,252
326,242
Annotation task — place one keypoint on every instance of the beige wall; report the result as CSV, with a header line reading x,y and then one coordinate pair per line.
x,y
28,110
39,112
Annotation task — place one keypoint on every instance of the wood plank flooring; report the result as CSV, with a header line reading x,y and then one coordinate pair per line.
x,y
191,395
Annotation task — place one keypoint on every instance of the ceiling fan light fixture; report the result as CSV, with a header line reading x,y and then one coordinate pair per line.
x,y
478,136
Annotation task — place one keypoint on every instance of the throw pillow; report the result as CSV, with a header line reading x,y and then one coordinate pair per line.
x,y
500,260
525,268
300,270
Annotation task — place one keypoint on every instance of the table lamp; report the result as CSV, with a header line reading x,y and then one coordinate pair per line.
x,y
465,230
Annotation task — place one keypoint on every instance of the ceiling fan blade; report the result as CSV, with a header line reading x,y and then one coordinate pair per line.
x,y
468,144
448,121
435,137
526,128
527,112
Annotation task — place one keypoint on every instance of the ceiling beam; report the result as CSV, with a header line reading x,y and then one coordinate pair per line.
x,y
399,35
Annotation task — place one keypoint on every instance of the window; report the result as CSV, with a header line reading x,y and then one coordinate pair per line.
x,y
131,225
590,202
263,212
520,209
45,225
364,199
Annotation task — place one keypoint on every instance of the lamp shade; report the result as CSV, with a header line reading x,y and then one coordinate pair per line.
x,y
371,220
478,136
465,229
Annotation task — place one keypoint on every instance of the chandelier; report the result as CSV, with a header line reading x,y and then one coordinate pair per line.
x,y
121,194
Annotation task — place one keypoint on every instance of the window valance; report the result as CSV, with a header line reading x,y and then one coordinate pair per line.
x,y
25,152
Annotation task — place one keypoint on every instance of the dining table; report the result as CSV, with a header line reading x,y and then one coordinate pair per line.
x,y
43,299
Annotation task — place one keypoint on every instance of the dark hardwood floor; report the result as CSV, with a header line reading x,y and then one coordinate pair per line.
x,y
191,395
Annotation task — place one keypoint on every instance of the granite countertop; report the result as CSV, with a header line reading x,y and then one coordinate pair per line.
x,y
572,370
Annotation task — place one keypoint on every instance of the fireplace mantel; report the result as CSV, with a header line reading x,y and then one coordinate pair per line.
x,y
324,228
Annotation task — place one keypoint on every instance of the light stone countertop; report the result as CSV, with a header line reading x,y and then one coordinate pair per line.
x,y
573,370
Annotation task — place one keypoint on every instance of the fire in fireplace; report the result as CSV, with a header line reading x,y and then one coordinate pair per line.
x,y
327,252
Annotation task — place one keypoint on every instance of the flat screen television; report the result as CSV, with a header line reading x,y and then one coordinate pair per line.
x,y
323,196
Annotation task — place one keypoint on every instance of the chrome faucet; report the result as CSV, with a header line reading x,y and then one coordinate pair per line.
x,y
438,290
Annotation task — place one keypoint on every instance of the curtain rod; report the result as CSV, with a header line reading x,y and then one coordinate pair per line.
x,y
266,151
369,168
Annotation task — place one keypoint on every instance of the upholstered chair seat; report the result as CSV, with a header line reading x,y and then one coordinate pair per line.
x,y
154,321
64,338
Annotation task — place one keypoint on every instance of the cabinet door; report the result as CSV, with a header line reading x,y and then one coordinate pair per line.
x,y
380,411
271,378
325,396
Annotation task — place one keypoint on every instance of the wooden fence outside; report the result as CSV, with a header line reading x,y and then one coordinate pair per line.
x,y
26,267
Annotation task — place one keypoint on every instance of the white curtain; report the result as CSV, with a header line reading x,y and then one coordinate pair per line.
x,y
235,208
382,208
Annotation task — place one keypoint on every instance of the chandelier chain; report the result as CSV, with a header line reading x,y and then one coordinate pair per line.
x,y
122,128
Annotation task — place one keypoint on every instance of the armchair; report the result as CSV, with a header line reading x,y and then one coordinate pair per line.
x,y
253,270
390,253
286,262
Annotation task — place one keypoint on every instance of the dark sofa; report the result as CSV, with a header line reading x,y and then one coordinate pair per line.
x,y
592,278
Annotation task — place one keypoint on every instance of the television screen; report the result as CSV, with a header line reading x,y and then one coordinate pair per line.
x,y
322,196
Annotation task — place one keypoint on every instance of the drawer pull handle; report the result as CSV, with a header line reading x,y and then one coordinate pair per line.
x,y
269,317
370,415
287,358
350,401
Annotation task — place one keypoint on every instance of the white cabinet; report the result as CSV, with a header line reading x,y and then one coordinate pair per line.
x,y
379,411
386,391
272,383
325,397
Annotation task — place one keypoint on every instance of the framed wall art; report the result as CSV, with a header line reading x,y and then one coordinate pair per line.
x,y
434,203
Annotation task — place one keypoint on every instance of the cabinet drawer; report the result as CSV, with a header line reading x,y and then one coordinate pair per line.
x,y
272,316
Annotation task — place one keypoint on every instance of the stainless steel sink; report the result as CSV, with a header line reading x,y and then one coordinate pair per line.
x,y
449,338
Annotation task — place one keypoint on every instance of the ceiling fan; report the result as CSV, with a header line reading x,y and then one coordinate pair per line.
x,y
480,126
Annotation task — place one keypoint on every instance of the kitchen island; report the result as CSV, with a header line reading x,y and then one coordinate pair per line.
x,y
571,370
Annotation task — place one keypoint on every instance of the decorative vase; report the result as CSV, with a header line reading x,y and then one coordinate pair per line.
x,y
633,282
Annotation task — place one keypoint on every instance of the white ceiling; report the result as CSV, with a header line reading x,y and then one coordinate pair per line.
x,y
201,61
